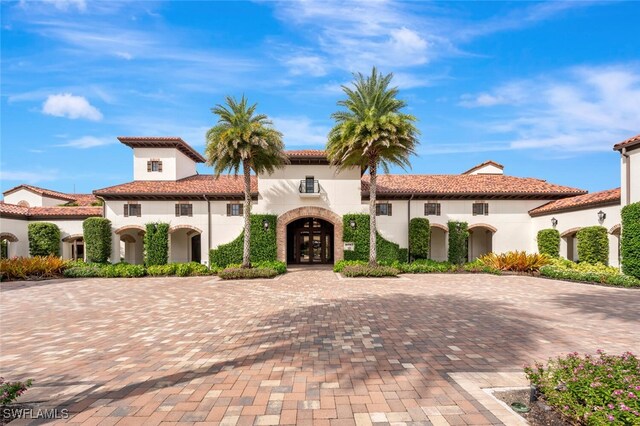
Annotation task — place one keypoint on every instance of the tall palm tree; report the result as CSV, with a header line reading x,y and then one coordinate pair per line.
x,y
242,138
372,132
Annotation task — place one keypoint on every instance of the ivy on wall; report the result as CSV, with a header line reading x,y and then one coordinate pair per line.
x,y
630,240
263,244
96,232
44,239
458,242
419,236
156,244
549,242
593,245
387,250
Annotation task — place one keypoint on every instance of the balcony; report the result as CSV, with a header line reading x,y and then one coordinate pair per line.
x,y
309,188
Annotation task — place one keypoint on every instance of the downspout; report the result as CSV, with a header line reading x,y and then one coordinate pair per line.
x,y
628,175
409,228
208,226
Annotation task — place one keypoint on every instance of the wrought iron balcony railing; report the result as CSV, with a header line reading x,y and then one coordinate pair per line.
x,y
309,186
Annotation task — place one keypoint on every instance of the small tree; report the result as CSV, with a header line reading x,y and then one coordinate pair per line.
x,y
593,245
97,239
44,239
630,240
549,242
156,244
419,236
458,238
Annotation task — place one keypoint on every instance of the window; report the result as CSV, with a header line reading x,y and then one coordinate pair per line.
x,y
480,209
383,209
309,184
235,209
132,210
432,209
154,166
184,209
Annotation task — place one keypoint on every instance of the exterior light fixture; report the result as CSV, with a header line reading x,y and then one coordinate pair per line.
x,y
352,223
265,224
554,222
601,216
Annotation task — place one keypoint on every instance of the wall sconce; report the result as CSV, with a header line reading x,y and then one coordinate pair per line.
x,y
601,216
265,224
554,222
352,223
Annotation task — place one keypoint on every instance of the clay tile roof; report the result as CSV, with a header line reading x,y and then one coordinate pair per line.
x,y
13,209
632,141
58,211
197,185
84,199
460,186
481,165
162,142
306,153
41,191
610,196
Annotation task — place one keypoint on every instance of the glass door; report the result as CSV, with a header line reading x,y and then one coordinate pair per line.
x,y
305,247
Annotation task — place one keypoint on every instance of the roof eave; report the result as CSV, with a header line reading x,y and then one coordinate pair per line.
x,y
585,206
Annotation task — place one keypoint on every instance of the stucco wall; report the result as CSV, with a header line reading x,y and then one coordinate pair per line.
x,y
18,228
175,165
634,181
34,200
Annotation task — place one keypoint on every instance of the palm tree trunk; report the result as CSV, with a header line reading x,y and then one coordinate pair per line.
x,y
246,250
373,231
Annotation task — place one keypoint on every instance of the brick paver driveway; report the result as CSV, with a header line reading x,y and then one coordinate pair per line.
x,y
303,348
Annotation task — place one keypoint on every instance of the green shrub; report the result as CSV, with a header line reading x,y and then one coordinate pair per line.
x,y
44,239
424,266
276,265
85,271
123,270
246,273
156,244
479,267
549,242
31,268
593,245
97,239
458,238
352,271
515,261
340,265
191,269
591,390
563,269
162,270
630,240
386,250
419,235
263,245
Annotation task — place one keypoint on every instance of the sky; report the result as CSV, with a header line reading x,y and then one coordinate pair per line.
x,y
544,88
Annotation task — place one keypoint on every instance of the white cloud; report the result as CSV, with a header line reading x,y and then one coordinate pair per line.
x,y
28,177
306,64
301,131
124,55
70,106
507,94
85,142
81,5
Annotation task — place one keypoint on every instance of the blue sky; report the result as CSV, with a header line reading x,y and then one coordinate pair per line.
x,y
544,88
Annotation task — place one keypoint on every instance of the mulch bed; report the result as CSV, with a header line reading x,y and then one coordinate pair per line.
x,y
540,415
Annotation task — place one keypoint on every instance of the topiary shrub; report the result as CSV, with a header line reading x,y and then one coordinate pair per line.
x,y
419,235
549,242
386,250
96,232
458,239
263,245
593,245
630,240
44,239
156,244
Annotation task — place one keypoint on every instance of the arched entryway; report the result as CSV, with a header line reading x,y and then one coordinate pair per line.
x,y
73,247
569,244
185,244
131,244
480,240
325,233
438,242
614,245
8,245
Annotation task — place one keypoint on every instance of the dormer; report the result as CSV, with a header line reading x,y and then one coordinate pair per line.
x,y
162,158
486,168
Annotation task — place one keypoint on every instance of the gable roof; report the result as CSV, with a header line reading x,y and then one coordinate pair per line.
x,y
40,191
466,186
307,156
481,165
162,142
32,213
633,141
192,187
601,198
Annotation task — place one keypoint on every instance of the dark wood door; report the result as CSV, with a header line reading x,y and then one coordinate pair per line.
x,y
312,241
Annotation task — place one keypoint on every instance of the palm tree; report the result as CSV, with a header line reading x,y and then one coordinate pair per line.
x,y
243,138
372,132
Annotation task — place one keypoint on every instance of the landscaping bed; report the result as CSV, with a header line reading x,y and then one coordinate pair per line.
x,y
262,269
540,414
598,273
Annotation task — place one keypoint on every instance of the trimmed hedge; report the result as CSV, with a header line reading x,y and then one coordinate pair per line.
x,y
593,245
386,250
352,271
458,239
96,232
246,273
419,235
263,244
44,239
156,244
549,242
599,273
630,240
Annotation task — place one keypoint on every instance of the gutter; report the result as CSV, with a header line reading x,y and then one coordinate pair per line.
x,y
628,175
409,228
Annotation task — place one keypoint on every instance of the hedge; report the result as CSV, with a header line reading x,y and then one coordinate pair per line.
x,y
419,235
458,238
549,242
44,239
593,245
263,245
96,232
630,240
386,250
156,244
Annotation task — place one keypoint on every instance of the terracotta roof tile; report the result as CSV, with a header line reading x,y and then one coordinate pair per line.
x,y
481,165
57,211
41,191
610,196
632,141
306,153
13,209
466,185
84,199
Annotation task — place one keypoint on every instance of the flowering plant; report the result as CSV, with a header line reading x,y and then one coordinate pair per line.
x,y
10,391
591,390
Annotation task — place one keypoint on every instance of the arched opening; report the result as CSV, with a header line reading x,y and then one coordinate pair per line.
x,y
614,245
8,245
73,247
480,240
310,241
185,244
131,244
569,244
438,242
